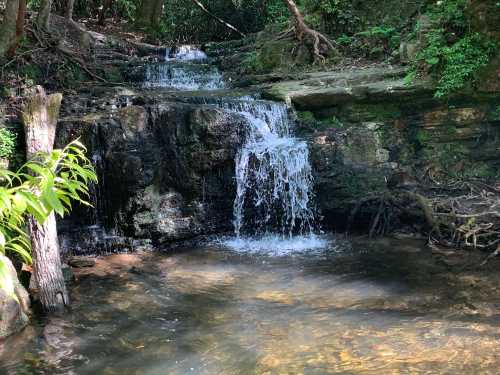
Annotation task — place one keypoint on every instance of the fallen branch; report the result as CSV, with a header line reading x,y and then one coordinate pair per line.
x,y
491,256
78,61
218,19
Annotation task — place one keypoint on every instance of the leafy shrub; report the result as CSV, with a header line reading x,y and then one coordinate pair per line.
x,y
7,143
48,183
451,53
461,61
386,36
276,12
251,63
332,16
344,40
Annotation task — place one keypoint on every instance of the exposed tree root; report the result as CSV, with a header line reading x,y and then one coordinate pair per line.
x,y
467,216
321,45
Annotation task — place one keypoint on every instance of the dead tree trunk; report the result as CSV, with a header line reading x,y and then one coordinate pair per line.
x,y
43,18
321,45
39,116
69,9
8,26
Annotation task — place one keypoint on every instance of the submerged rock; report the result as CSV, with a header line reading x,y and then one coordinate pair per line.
x,y
80,262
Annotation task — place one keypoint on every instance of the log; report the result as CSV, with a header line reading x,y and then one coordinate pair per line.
x,y
39,116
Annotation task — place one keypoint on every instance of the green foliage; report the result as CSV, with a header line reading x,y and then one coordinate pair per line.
x,y
184,22
422,138
344,40
332,16
386,37
31,72
452,54
375,42
276,12
7,143
382,32
47,183
251,63
461,61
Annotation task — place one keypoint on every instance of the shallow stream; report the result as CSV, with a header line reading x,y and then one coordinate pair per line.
x,y
348,308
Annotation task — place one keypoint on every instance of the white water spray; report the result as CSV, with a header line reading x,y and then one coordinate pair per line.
x,y
273,173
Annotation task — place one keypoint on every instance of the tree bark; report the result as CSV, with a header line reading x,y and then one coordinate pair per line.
x,y
43,18
102,14
321,44
21,14
8,26
39,115
69,9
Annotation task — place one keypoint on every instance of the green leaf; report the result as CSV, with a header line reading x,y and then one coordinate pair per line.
x,y
432,60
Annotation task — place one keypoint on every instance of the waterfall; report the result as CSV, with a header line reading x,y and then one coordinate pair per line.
x,y
273,174
273,206
185,53
185,68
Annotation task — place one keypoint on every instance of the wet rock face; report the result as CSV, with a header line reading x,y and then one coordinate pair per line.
x,y
166,170
364,145
13,314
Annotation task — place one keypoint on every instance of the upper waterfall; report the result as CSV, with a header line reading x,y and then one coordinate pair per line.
x,y
185,68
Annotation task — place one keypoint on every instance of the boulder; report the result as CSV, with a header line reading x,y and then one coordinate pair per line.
x,y
13,314
166,166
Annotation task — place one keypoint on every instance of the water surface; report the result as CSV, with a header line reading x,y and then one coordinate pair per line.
x,y
360,308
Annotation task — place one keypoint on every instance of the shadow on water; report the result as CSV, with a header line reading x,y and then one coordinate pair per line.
x,y
354,308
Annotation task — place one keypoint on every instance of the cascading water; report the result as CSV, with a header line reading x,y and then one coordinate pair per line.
x,y
273,203
185,68
273,207
273,173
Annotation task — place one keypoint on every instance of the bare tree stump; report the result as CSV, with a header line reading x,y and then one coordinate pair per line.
x,y
39,115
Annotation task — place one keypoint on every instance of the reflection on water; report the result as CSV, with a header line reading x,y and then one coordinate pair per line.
x,y
348,309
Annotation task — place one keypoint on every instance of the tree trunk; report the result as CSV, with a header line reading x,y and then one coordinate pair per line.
x,y
8,27
321,44
150,12
39,116
69,9
43,19
102,14
21,14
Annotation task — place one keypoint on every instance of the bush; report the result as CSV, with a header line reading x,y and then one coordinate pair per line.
x,y
46,184
451,54
7,143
